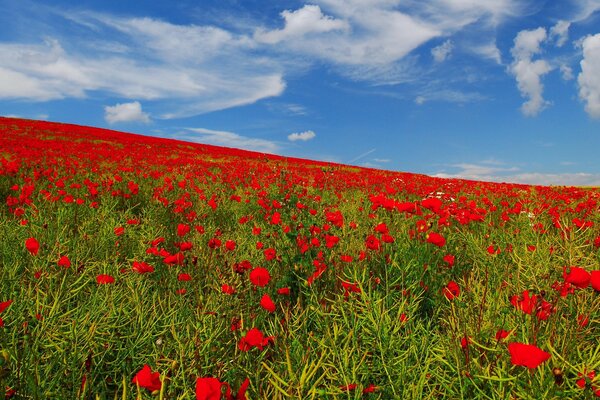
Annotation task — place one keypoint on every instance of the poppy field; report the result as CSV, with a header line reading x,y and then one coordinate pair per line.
x,y
137,267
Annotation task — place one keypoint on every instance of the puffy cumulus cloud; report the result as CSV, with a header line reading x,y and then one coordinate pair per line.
x,y
442,52
303,136
125,112
527,72
228,139
589,77
306,20
560,32
190,69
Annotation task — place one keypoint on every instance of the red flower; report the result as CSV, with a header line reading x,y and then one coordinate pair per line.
x,y
119,230
32,245
142,267
208,389
284,291
64,262
103,279
501,334
147,379
577,276
372,243
526,355
230,245
595,280
183,277
436,239
254,338
524,302
451,290
227,289
270,254
182,229
260,276
4,305
449,259
267,303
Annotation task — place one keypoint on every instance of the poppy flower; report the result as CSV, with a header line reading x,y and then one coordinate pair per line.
x,y
436,239
182,229
595,280
526,355
147,379
577,276
284,291
524,302
501,334
254,338
104,279
260,276
119,230
451,290
227,289
64,262
183,277
267,303
208,389
270,254
449,259
32,245
4,305
372,243
230,245
142,267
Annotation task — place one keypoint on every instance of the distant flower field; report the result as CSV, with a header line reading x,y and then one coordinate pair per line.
x,y
136,267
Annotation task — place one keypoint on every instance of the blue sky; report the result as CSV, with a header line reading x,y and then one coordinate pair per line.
x,y
504,90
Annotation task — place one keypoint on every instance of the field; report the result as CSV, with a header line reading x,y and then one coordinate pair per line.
x,y
135,267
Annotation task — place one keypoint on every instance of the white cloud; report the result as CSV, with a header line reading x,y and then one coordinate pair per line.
x,y
442,52
125,112
560,31
228,139
585,9
306,20
527,72
489,173
566,72
589,77
190,69
303,136
489,51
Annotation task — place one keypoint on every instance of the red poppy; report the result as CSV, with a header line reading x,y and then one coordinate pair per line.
x,y
451,290
372,243
142,267
449,259
208,389
64,262
501,334
270,254
577,276
119,230
4,305
147,379
284,291
524,302
104,279
254,338
182,229
526,355
260,276
230,245
227,289
267,303
595,280
183,277
32,245
436,239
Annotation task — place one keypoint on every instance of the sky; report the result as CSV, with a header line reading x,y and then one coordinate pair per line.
x,y
495,90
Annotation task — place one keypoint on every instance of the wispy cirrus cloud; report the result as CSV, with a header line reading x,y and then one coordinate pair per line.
x,y
228,139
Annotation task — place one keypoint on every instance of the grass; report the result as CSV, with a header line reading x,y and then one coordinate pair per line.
x,y
377,326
